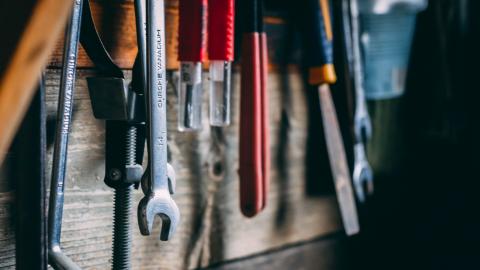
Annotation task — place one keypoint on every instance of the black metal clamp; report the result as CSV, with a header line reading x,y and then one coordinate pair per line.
x,y
124,111
122,105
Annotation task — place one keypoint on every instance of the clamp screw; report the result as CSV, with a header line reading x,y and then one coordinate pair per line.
x,y
115,174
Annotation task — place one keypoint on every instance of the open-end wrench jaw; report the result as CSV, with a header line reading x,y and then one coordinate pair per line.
x,y
158,203
362,173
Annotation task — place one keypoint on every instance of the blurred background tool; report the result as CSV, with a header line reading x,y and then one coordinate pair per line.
x,y
158,182
254,130
314,19
191,50
221,17
362,126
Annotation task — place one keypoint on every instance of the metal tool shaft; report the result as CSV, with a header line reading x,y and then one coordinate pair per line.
x,y
64,117
156,92
158,182
362,172
363,128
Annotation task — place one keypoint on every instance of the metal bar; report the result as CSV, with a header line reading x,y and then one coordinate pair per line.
x,y
64,116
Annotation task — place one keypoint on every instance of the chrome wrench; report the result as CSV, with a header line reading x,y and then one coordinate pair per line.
x,y
56,258
362,172
156,184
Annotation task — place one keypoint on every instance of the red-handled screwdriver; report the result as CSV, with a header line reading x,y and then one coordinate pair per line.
x,y
191,50
220,53
314,18
254,129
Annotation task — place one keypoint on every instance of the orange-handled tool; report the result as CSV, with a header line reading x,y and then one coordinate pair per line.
x,y
314,19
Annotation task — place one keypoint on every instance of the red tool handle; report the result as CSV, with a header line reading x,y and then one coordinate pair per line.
x,y
265,124
251,165
221,24
192,30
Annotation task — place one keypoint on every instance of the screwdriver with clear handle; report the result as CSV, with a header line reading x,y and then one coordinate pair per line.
x,y
191,50
220,53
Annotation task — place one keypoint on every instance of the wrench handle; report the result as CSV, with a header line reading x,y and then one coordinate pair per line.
x,y
156,95
251,177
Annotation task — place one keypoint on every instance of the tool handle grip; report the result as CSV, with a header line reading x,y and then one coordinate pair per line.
x,y
221,24
317,24
191,30
250,171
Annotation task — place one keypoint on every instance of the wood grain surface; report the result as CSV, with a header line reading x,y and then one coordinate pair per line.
x,y
115,22
212,228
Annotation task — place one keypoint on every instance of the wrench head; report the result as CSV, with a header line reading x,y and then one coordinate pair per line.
x,y
362,178
161,204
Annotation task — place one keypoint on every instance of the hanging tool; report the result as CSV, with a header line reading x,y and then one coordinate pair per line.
x,y
362,172
314,19
220,53
122,107
56,258
191,50
254,129
156,183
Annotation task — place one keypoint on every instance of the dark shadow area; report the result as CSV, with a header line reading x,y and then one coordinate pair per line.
x,y
14,17
28,172
424,213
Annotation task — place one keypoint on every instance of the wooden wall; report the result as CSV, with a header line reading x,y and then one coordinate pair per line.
x,y
212,230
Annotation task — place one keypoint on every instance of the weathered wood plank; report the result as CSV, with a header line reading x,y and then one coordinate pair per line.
x,y
115,21
326,253
212,228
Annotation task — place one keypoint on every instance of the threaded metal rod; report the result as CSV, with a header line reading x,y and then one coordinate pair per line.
x,y
130,150
122,237
122,233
